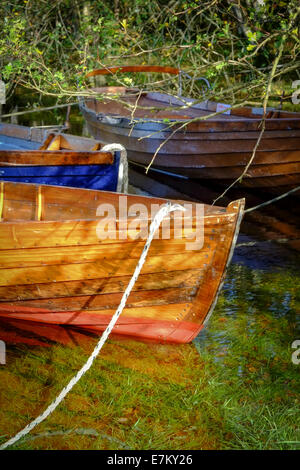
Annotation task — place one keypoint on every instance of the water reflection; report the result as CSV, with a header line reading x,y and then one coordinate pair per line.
x,y
259,292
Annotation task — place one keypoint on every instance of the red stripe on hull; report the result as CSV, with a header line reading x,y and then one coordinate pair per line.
x,y
161,330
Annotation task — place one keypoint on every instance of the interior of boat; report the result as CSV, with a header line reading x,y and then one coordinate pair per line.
x,y
129,101
29,202
21,145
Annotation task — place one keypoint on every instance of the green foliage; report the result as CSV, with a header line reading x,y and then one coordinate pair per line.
x,y
50,45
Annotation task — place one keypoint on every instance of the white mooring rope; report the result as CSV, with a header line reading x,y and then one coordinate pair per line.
x,y
163,211
122,186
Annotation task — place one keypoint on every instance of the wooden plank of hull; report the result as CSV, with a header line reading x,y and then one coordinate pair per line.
x,y
15,235
105,302
89,253
137,132
53,158
90,287
102,268
223,160
175,146
62,197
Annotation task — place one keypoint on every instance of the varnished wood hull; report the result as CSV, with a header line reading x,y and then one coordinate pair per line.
x,y
57,271
216,149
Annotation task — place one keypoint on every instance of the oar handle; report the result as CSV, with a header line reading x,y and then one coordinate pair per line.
x,y
134,68
148,68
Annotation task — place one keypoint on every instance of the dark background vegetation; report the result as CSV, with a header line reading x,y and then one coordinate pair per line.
x,y
242,47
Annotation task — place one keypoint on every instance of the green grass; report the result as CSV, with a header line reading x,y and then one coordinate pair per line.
x,y
234,388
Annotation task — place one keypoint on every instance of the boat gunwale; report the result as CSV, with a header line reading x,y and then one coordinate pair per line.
x,y
132,218
56,153
237,117
218,212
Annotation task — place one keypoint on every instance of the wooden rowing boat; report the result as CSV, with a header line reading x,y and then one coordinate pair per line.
x,y
35,155
55,269
215,148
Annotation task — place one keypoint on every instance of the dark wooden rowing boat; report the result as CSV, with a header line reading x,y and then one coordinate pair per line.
x,y
55,269
216,148
35,155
